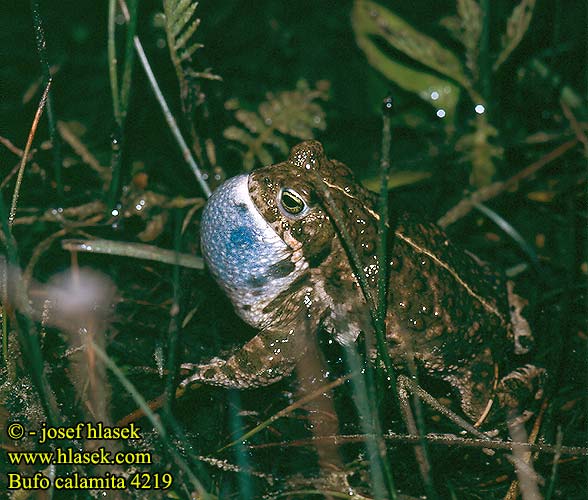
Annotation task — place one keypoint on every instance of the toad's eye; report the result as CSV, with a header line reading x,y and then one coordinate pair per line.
x,y
291,202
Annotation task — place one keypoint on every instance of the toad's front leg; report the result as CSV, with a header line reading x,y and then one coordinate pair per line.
x,y
266,358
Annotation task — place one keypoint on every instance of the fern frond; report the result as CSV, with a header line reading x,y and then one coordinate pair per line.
x,y
292,113
180,27
187,53
251,120
187,34
176,10
206,74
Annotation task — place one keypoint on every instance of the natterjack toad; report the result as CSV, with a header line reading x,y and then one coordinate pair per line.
x,y
270,243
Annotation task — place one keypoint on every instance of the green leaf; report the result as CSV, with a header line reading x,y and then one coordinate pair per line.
x,y
470,15
516,27
425,85
371,19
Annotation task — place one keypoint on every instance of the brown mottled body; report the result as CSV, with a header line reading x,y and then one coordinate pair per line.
x,y
446,309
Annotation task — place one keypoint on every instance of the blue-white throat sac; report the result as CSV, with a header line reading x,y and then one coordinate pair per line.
x,y
241,249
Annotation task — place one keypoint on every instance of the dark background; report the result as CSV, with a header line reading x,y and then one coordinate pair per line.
x,y
267,46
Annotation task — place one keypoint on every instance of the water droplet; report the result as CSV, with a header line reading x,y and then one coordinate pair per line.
x,y
114,212
388,105
434,95
441,113
479,109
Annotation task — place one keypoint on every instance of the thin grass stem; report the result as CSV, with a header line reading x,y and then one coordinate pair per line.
x,y
382,247
113,62
155,421
512,232
382,255
241,455
377,450
558,452
434,439
28,334
120,95
172,336
464,206
289,409
169,117
25,155
44,60
484,61
115,149
380,473
125,89
4,321
133,250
